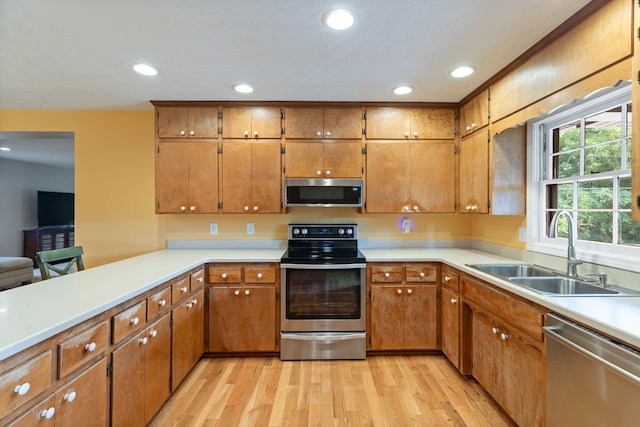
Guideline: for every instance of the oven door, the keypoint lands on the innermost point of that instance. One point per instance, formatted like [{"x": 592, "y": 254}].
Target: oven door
[{"x": 323, "y": 297}]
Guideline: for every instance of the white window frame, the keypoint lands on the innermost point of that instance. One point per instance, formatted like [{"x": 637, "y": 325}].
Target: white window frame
[{"x": 618, "y": 256}]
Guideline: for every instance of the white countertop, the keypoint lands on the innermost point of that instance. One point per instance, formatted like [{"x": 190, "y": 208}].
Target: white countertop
[{"x": 33, "y": 313}]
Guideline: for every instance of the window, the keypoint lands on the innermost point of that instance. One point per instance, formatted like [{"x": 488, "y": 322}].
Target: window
[{"x": 580, "y": 161}]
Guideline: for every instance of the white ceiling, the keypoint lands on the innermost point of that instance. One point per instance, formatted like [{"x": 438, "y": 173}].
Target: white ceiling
[{"x": 77, "y": 54}]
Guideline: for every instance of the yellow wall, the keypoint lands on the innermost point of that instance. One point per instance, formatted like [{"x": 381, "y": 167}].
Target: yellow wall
[{"x": 114, "y": 177}]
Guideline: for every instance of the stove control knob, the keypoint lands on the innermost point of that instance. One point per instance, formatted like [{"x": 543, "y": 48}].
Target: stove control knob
[
  {"x": 296, "y": 231},
  {"x": 304, "y": 231},
  {"x": 349, "y": 231},
  {"x": 341, "y": 231}
]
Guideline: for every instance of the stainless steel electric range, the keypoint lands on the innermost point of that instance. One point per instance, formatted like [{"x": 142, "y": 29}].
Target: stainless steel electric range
[{"x": 323, "y": 293}]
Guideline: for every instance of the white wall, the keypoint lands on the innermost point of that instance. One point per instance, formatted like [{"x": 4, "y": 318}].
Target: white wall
[{"x": 19, "y": 182}]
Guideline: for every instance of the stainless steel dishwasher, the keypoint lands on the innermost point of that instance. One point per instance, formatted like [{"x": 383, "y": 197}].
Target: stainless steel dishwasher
[{"x": 591, "y": 379}]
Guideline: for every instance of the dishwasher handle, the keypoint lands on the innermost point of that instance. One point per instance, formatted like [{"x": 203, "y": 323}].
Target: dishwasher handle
[{"x": 551, "y": 332}]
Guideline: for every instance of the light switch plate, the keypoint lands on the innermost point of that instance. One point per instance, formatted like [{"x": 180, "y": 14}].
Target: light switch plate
[
  {"x": 250, "y": 228},
  {"x": 213, "y": 228},
  {"x": 406, "y": 226},
  {"x": 522, "y": 234}
]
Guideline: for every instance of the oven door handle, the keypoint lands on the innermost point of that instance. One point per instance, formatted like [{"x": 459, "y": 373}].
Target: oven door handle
[
  {"x": 323, "y": 336},
  {"x": 324, "y": 266}
]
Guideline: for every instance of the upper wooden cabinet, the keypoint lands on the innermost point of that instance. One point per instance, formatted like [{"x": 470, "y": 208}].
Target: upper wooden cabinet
[
  {"x": 474, "y": 173},
  {"x": 474, "y": 115},
  {"x": 186, "y": 177},
  {"x": 323, "y": 123},
  {"x": 251, "y": 122},
  {"x": 251, "y": 177},
  {"x": 187, "y": 122},
  {"x": 405, "y": 177},
  {"x": 410, "y": 123},
  {"x": 311, "y": 159}
]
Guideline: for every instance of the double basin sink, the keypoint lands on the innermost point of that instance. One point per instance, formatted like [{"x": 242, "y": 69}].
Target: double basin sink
[{"x": 547, "y": 281}]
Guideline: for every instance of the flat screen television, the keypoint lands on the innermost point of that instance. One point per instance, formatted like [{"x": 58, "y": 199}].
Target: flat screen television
[{"x": 54, "y": 208}]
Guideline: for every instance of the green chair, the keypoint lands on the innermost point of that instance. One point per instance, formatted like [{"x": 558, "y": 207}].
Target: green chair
[{"x": 59, "y": 261}]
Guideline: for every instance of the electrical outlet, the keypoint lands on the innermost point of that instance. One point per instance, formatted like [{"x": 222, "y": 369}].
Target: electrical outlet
[
  {"x": 250, "y": 228},
  {"x": 406, "y": 226},
  {"x": 213, "y": 228}
]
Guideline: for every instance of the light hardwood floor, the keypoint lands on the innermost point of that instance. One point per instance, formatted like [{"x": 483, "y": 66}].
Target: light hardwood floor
[{"x": 379, "y": 391}]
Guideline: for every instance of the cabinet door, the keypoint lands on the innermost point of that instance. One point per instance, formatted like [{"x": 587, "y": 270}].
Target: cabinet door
[
  {"x": 203, "y": 122},
  {"x": 388, "y": 177},
  {"x": 303, "y": 159},
  {"x": 474, "y": 173},
  {"x": 343, "y": 123},
  {"x": 304, "y": 123},
  {"x": 342, "y": 159},
  {"x": 172, "y": 177},
  {"x": 387, "y": 306},
  {"x": 242, "y": 319},
  {"x": 42, "y": 415},
  {"x": 523, "y": 376},
  {"x": 433, "y": 177},
  {"x": 187, "y": 337},
  {"x": 172, "y": 122},
  {"x": 487, "y": 354},
  {"x": 266, "y": 194},
  {"x": 420, "y": 317},
  {"x": 157, "y": 368},
  {"x": 236, "y": 176},
  {"x": 388, "y": 123},
  {"x": 127, "y": 383},
  {"x": 83, "y": 401},
  {"x": 203, "y": 177},
  {"x": 475, "y": 113},
  {"x": 451, "y": 326},
  {"x": 432, "y": 123}
]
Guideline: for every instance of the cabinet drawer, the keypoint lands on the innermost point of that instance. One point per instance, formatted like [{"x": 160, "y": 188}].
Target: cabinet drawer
[
  {"x": 75, "y": 351},
  {"x": 450, "y": 279},
  {"x": 158, "y": 303},
  {"x": 25, "y": 382},
  {"x": 129, "y": 321},
  {"x": 420, "y": 273},
  {"x": 260, "y": 274},
  {"x": 518, "y": 313},
  {"x": 225, "y": 274},
  {"x": 196, "y": 279},
  {"x": 386, "y": 274},
  {"x": 181, "y": 289}
]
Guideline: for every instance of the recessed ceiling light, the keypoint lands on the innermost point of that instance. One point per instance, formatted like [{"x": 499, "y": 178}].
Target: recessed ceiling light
[
  {"x": 243, "y": 88},
  {"x": 5, "y": 149},
  {"x": 462, "y": 71},
  {"x": 338, "y": 19},
  {"x": 145, "y": 70},
  {"x": 402, "y": 90}
]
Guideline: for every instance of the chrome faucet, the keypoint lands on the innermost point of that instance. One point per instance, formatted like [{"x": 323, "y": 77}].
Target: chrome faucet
[{"x": 572, "y": 261}]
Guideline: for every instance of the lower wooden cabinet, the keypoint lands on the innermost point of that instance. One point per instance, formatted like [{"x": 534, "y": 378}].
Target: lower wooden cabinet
[
  {"x": 243, "y": 308},
  {"x": 242, "y": 318},
  {"x": 510, "y": 368},
  {"x": 506, "y": 349},
  {"x": 81, "y": 402},
  {"x": 140, "y": 379},
  {"x": 403, "y": 307},
  {"x": 187, "y": 343}
]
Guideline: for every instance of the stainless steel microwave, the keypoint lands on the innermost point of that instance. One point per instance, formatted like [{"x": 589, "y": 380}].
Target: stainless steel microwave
[{"x": 323, "y": 192}]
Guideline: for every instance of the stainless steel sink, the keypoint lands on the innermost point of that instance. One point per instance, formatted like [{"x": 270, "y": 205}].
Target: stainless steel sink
[
  {"x": 561, "y": 286},
  {"x": 514, "y": 270},
  {"x": 549, "y": 282}
]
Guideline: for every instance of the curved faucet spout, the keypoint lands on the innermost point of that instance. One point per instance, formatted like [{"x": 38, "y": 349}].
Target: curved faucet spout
[{"x": 572, "y": 261}]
